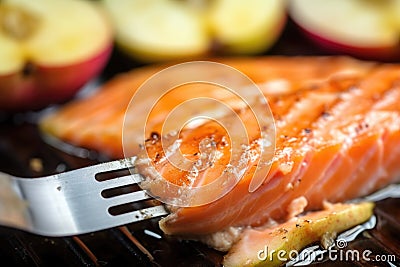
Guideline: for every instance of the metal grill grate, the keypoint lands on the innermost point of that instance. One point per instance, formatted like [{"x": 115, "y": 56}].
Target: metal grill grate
[{"x": 108, "y": 248}]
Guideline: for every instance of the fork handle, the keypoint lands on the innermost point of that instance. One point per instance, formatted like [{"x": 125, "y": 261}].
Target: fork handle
[{"x": 13, "y": 210}]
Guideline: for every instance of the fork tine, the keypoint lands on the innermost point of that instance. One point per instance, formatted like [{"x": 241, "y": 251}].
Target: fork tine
[
  {"x": 110, "y": 166},
  {"x": 127, "y": 198},
  {"x": 121, "y": 181},
  {"x": 140, "y": 215}
]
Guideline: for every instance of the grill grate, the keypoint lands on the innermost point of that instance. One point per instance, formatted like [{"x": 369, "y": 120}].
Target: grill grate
[{"x": 108, "y": 248}]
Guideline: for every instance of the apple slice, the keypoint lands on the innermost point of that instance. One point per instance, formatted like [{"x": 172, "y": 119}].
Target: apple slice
[
  {"x": 156, "y": 30},
  {"x": 364, "y": 28},
  {"x": 49, "y": 49},
  {"x": 247, "y": 27}
]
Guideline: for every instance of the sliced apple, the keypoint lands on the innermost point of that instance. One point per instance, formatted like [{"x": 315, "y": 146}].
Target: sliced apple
[
  {"x": 49, "y": 49},
  {"x": 158, "y": 29},
  {"x": 272, "y": 246},
  {"x": 364, "y": 28},
  {"x": 247, "y": 27},
  {"x": 154, "y": 30}
]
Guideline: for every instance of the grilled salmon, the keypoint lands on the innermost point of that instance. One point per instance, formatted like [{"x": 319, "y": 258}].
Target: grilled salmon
[
  {"x": 96, "y": 122},
  {"x": 337, "y": 126}
]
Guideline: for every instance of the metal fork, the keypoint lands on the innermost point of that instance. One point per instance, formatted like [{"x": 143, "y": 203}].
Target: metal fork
[{"x": 71, "y": 203}]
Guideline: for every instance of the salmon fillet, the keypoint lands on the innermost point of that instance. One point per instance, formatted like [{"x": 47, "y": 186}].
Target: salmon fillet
[{"x": 337, "y": 138}]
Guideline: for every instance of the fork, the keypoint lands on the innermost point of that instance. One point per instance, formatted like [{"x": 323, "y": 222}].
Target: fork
[{"x": 72, "y": 203}]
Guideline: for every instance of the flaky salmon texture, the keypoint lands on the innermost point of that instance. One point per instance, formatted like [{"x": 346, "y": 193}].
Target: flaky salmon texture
[{"x": 337, "y": 138}]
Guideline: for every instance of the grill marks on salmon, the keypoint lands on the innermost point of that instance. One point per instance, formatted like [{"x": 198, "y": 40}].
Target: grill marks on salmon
[{"x": 360, "y": 128}]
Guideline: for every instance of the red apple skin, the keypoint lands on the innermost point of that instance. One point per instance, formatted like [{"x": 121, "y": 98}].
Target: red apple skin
[
  {"x": 44, "y": 85},
  {"x": 388, "y": 53}
]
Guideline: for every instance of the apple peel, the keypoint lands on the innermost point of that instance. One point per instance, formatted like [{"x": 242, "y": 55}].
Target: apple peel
[{"x": 49, "y": 50}]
